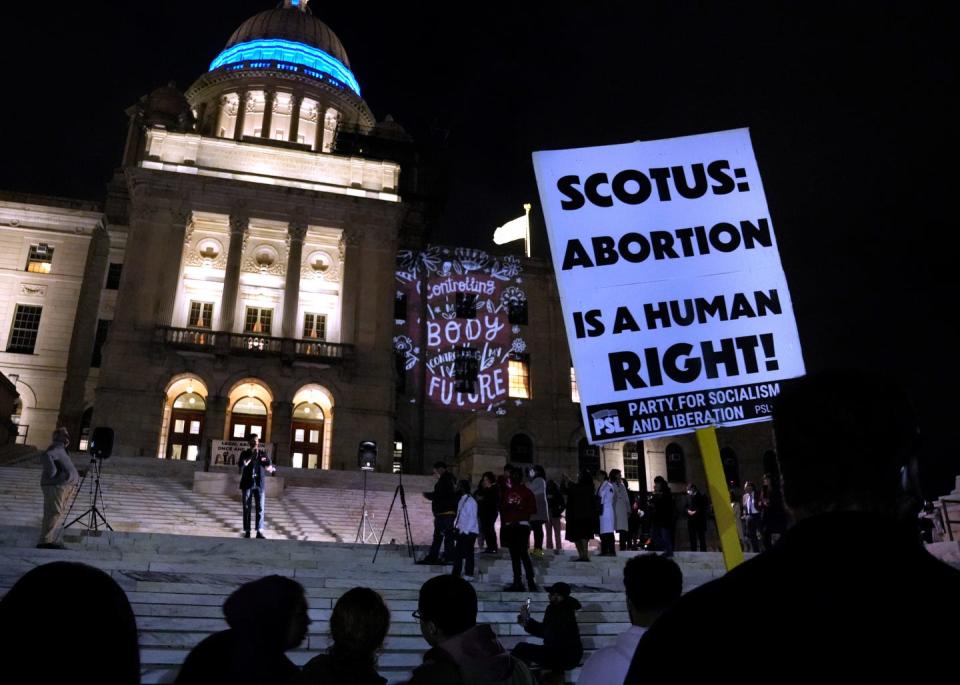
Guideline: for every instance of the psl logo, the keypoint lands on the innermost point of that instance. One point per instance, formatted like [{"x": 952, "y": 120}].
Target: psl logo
[{"x": 606, "y": 421}]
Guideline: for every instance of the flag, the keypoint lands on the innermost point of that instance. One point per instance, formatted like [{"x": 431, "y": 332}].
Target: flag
[{"x": 515, "y": 229}]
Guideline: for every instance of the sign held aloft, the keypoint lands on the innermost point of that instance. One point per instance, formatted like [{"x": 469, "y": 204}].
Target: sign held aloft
[{"x": 675, "y": 303}]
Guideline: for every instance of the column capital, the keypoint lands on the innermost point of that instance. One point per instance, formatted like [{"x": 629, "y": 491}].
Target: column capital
[
  {"x": 239, "y": 222},
  {"x": 297, "y": 230}
]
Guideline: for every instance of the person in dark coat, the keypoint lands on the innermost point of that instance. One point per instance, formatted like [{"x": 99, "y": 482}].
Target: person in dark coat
[
  {"x": 582, "y": 512},
  {"x": 358, "y": 626},
  {"x": 254, "y": 467},
  {"x": 461, "y": 650},
  {"x": 697, "y": 518},
  {"x": 662, "y": 516},
  {"x": 773, "y": 514},
  {"x": 443, "y": 502},
  {"x": 850, "y": 583},
  {"x": 488, "y": 509},
  {"x": 266, "y": 618},
  {"x": 561, "y": 649}
]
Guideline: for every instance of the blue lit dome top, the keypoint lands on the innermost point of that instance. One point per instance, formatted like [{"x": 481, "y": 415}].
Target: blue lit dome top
[{"x": 288, "y": 38}]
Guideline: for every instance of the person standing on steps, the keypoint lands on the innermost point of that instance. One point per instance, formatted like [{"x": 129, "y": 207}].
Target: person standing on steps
[
  {"x": 517, "y": 505},
  {"x": 254, "y": 467},
  {"x": 58, "y": 480}
]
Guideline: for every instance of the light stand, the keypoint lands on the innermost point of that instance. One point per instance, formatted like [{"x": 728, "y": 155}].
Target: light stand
[
  {"x": 94, "y": 515},
  {"x": 406, "y": 519},
  {"x": 365, "y": 530}
]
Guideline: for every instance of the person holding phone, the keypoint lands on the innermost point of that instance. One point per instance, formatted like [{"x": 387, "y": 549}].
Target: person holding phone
[{"x": 562, "y": 648}]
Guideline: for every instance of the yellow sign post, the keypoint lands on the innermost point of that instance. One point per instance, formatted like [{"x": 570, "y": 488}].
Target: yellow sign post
[{"x": 720, "y": 497}]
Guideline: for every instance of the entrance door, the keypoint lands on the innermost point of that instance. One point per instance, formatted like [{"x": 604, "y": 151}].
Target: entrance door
[
  {"x": 243, "y": 426},
  {"x": 183, "y": 440},
  {"x": 185, "y": 433},
  {"x": 306, "y": 438},
  {"x": 249, "y": 417}
]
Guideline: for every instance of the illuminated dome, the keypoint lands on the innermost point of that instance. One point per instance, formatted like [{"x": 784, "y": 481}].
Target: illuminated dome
[
  {"x": 283, "y": 78},
  {"x": 288, "y": 38}
]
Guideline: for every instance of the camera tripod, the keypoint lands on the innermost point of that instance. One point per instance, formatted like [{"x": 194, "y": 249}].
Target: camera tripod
[
  {"x": 406, "y": 520},
  {"x": 94, "y": 515},
  {"x": 365, "y": 530}
]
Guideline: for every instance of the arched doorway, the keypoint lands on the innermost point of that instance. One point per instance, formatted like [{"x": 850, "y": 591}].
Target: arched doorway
[
  {"x": 311, "y": 427},
  {"x": 731, "y": 464},
  {"x": 184, "y": 414},
  {"x": 248, "y": 416},
  {"x": 185, "y": 434},
  {"x": 306, "y": 441}
]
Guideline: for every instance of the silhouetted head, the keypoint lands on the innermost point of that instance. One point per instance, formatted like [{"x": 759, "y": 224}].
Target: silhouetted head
[
  {"x": 842, "y": 439},
  {"x": 439, "y": 468},
  {"x": 516, "y": 475},
  {"x": 539, "y": 472},
  {"x": 358, "y": 625},
  {"x": 463, "y": 486},
  {"x": 489, "y": 479},
  {"x": 54, "y": 618},
  {"x": 447, "y": 606},
  {"x": 652, "y": 583},
  {"x": 272, "y": 610},
  {"x": 615, "y": 475},
  {"x": 585, "y": 479}
]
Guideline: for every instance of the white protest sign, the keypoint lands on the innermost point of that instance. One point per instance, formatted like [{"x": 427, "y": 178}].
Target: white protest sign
[{"x": 674, "y": 300}]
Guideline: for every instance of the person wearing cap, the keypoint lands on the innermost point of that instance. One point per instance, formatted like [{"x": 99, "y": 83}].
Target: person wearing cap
[
  {"x": 561, "y": 649},
  {"x": 58, "y": 480}
]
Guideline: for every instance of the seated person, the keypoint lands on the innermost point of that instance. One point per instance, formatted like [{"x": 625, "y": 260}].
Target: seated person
[
  {"x": 460, "y": 650},
  {"x": 561, "y": 649}
]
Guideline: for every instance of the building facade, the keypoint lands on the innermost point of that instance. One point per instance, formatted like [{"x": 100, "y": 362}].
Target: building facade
[{"x": 259, "y": 267}]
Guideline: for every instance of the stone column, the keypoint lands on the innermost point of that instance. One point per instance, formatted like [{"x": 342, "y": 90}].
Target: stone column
[
  {"x": 84, "y": 331},
  {"x": 295, "y": 117},
  {"x": 280, "y": 433},
  {"x": 239, "y": 224},
  {"x": 349, "y": 295},
  {"x": 296, "y": 233},
  {"x": 267, "y": 114},
  {"x": 181, "y": 226},
  {"x": 321, "y": 122},
  {"x": 213, "y": 424},
  {"x": 241, "y": 115}
]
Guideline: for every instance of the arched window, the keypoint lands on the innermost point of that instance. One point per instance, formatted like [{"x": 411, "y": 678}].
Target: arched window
[
  {"x": 676, "y": 464},
  {"x": 731, "y": 465},
  {"x": 634, "y": 465},
  {"x": 588, "y": 456},
  {"x": 521, "y": 449}
]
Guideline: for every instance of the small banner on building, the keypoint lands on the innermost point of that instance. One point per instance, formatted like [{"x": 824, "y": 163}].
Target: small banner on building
[
  {"x": 227, "y": 452},
  {"x": 675, "y": 303}
]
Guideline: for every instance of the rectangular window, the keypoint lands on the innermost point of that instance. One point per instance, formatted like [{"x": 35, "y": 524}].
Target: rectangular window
[
  {"x": 298, "y": 460},
  {"x": 574, "y": 390},
  {"x": 40, "y": 258},
  {"x": 201, "y": 314},
  {"x": 466, "y": 366},
  {"x": 113, "y": 276},
  {"x": 26, "y": 323},
  {"x": 466, "y": 306},
  {"x": 103, "y": 327},
  {"x": 519, "y": 376},
  {"x": 400, "y": 307},
  {"x": 299, "y": 435},
  {"x": 315, "y": 326},
  {"x": 239, "y": 430},
  {"x": 631, "y": 461},
  {"x": 194, "y": 428},
  {"x": 258, "y": 320},
  {"x": 517, "y": 312},
  {"x": 314, "y": 436},
  {"x": 178, "y": 426}
]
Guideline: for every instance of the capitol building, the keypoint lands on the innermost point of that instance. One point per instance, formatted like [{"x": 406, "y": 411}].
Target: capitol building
[{"x": 258, "y": 265}]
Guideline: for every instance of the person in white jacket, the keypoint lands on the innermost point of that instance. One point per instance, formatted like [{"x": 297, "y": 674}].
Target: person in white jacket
[
  {"x": 607, "y": 517},
  {"x": 652, "y": 584},
  {"x": 466, "y": 528}
]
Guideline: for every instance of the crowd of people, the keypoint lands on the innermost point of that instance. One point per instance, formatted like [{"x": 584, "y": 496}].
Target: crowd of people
[{"x": 849, "y": 579}]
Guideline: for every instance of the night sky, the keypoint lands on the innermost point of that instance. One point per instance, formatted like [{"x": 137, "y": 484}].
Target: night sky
[{"x": 851, "y": 109}]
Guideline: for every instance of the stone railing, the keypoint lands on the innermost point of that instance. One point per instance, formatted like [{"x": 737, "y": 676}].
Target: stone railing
[{"x": 252, "y": 344}]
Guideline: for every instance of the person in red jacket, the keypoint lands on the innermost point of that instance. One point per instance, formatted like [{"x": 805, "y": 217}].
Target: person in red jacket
[{"x": 517, "y": 504}]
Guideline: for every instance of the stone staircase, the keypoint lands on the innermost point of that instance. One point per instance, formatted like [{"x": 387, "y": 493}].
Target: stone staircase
[
  {"x": 178, "y": 555},
  {"x": 153, "y": 496},
  {"x": 177, "y": 585}
]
